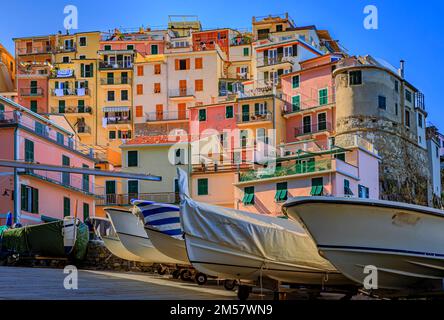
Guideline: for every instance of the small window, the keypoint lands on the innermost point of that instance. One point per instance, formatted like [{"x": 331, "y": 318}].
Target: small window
[
  {"x": 132, "y": 159},
  {"x": 323, "y": 97},
  {"x": 355, "y": 77},
  {"x": 82, "y": 57},
  {"x": 107, "y": 47},
  {"x": 396, "y": 86},
  {"x": 198, "y": 63},
  {"x": 130, "y": 47},
  {"x": 139, "y": 111},
  {"x": 347, "y": 190},
  {"x": 65, "y": 59},
  {"x": 139, "y": 89},
  {"x": 33, "y": 105},
  {"x": 248, "y": 196},
  {"x": 229, "y": 112},
  {"x": 363, "y": 192},
  {"x": 296, "y": 103},
  {"x": 111, "y": 96},
  {"x": 322, "y": 121},
  {"x": 29, "y": 199},
  {"x": 198, "y": 85},
  {"x": 202, "y": 114},
  {"x": 279, "y": 28},
  {"x": 202, "y": 187},
  {"x": 157, "y": 87},
  {"x": 396, "y": 109},
  {"x": 340, "y": 156},
  {"x": 382, "y": 102},
  {"x": 246, "y": 52},
  {"x": 154, "y": 49},
  {"x": 407, "y": 118},
  {"x": 281, "y": 192},
  {"x": 139, "y": 71},
  {"x": 124, "y": 95},
  {"x": 157, "y": 69},
  {"x": 60, "y": 138},
  {"x": 295, "y": 81},
  {"x": 85, "y": 211},
  {"x": 317, "y": 187},
  {"x": 408, "y": 95},
  {"x": 66, "y": 207},
  {"x": 82, "y": 41},
  {"x": 420, "y": 120},
  {"x": 183, "y": 64},
  {"x": 112, "y": 135}
]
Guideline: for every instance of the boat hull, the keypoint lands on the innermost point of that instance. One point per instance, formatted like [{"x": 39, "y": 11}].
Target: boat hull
[
  {"x": 403, "y": 242},
  {"x": 167, "y": 245},
  {"x": 131, "y": 233}
]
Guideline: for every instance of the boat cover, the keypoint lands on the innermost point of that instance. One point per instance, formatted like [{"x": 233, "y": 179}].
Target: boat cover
[{"x": 271, "y": 238}]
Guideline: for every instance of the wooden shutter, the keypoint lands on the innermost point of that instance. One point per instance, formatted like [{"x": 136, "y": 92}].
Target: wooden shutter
[
  {"x": 140, "y": 89},
  {"x": 159, "y": 112},
  {"x": 198, "y": 63},
  {"x": 35, "y": 200},
  {"x": 139, "y": 111},
  {"x": 198, "y": 85},
  {"x": 187, "y": 64},
  {"x": 140, "y": 71},
  {"x": 177, "y": 64}
]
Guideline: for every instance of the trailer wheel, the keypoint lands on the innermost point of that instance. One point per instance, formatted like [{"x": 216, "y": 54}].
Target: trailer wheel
[
  {"x": 185, "y": 275},
  {"x": 176, "y": 274},
  {"x": 243, "y": 292},
  {"x": 200, "y": 278},
  {"x": 229, "y": 284}
]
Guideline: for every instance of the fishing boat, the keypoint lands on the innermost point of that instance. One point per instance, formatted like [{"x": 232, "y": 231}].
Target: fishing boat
[
  {"x": 240, "y": 245},
  {"x": 403, "y": 242},
  {"x": 105, "y": 231},
  {"x": 130, "y": 230}
]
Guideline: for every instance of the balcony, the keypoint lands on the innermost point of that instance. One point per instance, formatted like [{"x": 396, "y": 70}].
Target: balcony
[
  {"x": 250, "y": 117},
  {"x": 34, "y": 50},
  {"x": 240, "y": 41},
  {"x": 220, "y": 167},
  {"x": 297, "y": 168},
  {"x": 31, "y": 92},
  {"x": 289, "y": 109},
  {"x": 72, "y": 110},
  {"x": 125, "y": 199},
  {"x": 115, "y": 65},
  {"x": 78, "y": 92},
  {"x": 312, "y": 128},
  {"x": 117, "y": 120},
  {"x": 176, "y": 115},
  {"x": 115, "y": 81},
  {"x": 270, "y": 61},
  {"x": 66, "y": 49},
  {"x": 181, "y": 93}
]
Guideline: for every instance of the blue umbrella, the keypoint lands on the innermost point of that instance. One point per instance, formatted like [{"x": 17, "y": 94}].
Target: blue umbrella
[{"x": 9, "y": 219}]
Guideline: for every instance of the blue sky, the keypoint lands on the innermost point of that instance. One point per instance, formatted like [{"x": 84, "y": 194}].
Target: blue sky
[{"x": 409, "y": 30}]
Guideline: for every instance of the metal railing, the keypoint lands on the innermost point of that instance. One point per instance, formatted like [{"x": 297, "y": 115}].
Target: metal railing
[
  {"x": 119, "y": 80},
  {"x": 70, "y": 92},
  {"x": 299, "y": 167},
  {"x": 254, "y": 116},
  {"x": 125, "y": 199},
  {"x": 312, "y": 128},
  {"x": 118, "y": 120},
  {"x": 35, "y": 50},
  {"x": 269, "y": 61},
  {"x": 181, "y": 92},
  {"x": 31, "y": 92},
  {"x": 220, "y": 167},
  {"x": 77, "y": 109},
  {"x": 167, "y": 115},
  {"x": 116, "y": 65},
  {"x": 66, "y": 48}
]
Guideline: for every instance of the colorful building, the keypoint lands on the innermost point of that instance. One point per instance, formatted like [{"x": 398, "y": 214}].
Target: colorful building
[{"x": 7, "y": 71}]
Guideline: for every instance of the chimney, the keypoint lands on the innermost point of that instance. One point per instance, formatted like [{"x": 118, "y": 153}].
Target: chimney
[{"x": 401, "y": 69}]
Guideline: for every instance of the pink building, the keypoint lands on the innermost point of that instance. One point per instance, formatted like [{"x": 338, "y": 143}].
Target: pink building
[{"x": 33, "y": 195}]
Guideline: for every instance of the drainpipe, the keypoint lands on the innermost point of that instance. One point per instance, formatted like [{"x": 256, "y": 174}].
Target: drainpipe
[{"x": 17, "y": 195}]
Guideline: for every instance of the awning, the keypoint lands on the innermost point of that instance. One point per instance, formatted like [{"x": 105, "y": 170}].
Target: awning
[{"x": 116, "y": 109}]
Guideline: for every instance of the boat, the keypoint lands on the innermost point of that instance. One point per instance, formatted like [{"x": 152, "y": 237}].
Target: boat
[
  {"x": 130, "y": 230},
  {"x": 105, "y": 231},
  {"x": 402, "y": 242},
  {"x": 234, "y": 244},
  {"x": 162, "y": 226}
]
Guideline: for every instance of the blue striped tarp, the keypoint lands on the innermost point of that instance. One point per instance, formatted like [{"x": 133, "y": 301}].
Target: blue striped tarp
[{"x": 161, "y": 216}]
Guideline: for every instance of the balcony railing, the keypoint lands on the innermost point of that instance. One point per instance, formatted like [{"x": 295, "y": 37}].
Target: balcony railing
[
  {"x": 31, "y": 92},
  {"x": 118, "y": 120},
  {"x": 289, "y": 108},
  {"x": 34, "y": 50},
  {"x": 269, "y": 61},
  {"x": 222, "y": 167},
  {"x": 299, "y": 167},
  {"x": 78, "y": 109},
  {"x": 247, "y": 117},
  {"x": 312, "y": 128},
  {"x": 116, "y": 65},
  {"x": 62, "y": 49},
  {"x": 125, "y": 199},
  {"x": 111, "y": 81},
  {"x": 167, "y": 115},
  {"x": 181, "y": 92},
  {"x": 80, "y": 92}
]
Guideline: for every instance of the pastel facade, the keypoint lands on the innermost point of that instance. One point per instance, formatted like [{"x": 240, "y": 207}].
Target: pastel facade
[
  {"x": 7, "y": 71},
  {"x": 33, "y": 195}
]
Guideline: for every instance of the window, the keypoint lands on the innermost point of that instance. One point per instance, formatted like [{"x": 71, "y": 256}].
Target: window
[
  {"x": 347, "y": 190},
  {"x": 157, "y": 69},
  {"x": 288, "y": 51},
  {"x": 396, "y": 109},
  {"x": 182, "y": 64},
  {"x": 323, "y": 97},
  {"x": 198, "y": 85},
  {"x": 66, "y": 207},
  {"x": 295, "y": 81},
  {"x": 130, "y": 47},
  {"x": 363, "y": 192},
  {"x": 33, "y": 106},
  {"x": 132, "y": 158},
  {"x": 107, "y": 47},
  {"x": 396, "y": 86},
  {"x": 85, "y": 211},
  {"x": 139, "y": 71},
  {"x": 306, "y": 123},
  {"x": 60, "y": 138},
  {"x": 65, "y": 175},
  {"x": 244, "y": 138},
  {"x": 139, "y": 89},
  {"x": 260, "y": 108},
  {"x": 111, "y": 96},
  {"x": 179, "y": 157},
  {"x": 322, "y": 121},
  {"x": 29, "y": 150},
  {"x": 202, "y": 187},
  {"x": 82, "y": 57},
  {"x": 85, "y": 179},
  {"x": 382, "y": 102},
  {"x": 340, "y": 156},
  {"x": 202, "y": 114},
  {"x": 420, "y": 121},
  {"x": 86, "y": 70},
  {"x": 198, "y": 63},
  {"x": 124, "y": 77},
  {"x": 139, "y": 111},
  {"x": 317, "y": 187},
  {"x": 407, "y": 118},
  {"x": 408, "y": 95},
  {"x": 65, "y": 59},
  {"x": 111, "y": 135},
  {"x": 154, "y": 49},
  {"x": 82, "y": 41},
  {"x": 246, "y": 52},
  {"x": 157, "y": 87},
  {"x": 296, "y": 103},
  {"x": 281, "y": 192},
  {"x": 133, "y": 189},
  {"x": 229, "y": 112},
  {"x": 29, "y": 199},
  {"x": 279, "y": 28},
  {"x": 124, "y": 95},
  {"x": 248, "y": 196},
  {"x": 355, "y": 78}
]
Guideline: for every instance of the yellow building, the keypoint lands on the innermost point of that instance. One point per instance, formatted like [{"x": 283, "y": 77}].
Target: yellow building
[{"x": 7, "y": 70}]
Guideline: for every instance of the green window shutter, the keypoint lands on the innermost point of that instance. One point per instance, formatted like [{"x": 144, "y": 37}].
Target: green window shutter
[
  {"x": 295, "y": 81},
  {"x": 133, "y": 187},
  {"x": 85, "y": 211},
  {"x": 91, "y": 70},
  {"x": 248, "y": 196},
  {"x": 24, "y": 197},
  {"x": 35, "y": 200},
  {"x": 246, "y": 52},
  {"x": 281, "y": 191},
  {"x": 202, "y": 114},
  {"x": 33, "y": 106},
  {"x": 202, "y": 187},
  {"x": 66, "y": 207},
  {"x": 229, "y": 112},
  {"x": 2, "y": 107},
  {"x": 323, "y": 96},
  {"x": 296, "y": 103},
  {"x": 154, "y": 49},
  {"x": 132, "y": 158},
  {"x": 29, "y": 150},
  {"x": 112, "y": 135},
  {"x": 317, "y": 186},
  {"x": 82, "y": 70}
]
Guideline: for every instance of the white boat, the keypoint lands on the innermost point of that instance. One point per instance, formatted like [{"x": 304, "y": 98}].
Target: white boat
[
  {"x": 403, "y": 241},
  {"x": 162, "y": 225},
  {"x": 105, "y": 231},
  {"x": 233, "y": 244},
  {"x": 130, "y": 229},
  {"x": 69, "y": 233}
]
